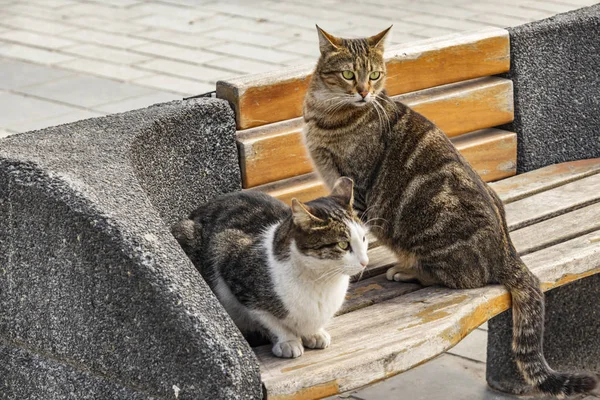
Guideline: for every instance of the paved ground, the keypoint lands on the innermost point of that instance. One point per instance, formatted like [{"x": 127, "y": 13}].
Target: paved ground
[
  {"x": 458, "y": 374},
  {"x": 64, "y": 60}
]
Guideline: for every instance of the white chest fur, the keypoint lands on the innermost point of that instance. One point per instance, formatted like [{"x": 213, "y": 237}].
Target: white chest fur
[{"x": 310, "y": 290}]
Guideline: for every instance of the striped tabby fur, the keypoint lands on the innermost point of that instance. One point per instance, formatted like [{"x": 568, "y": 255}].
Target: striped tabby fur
[
  {"x": 429, "y": 206},
  {"x": 279, "y": 271}
]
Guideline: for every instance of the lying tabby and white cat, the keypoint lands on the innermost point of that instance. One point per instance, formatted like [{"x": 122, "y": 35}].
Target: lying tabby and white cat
[
  {"x": 434, "y": 211},
  {"x": 281, "y": 271}
]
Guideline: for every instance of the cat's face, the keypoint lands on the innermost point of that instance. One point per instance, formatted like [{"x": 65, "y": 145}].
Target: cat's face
[
  {"x": 350, "y": 71},
  {"x": 328, "y": 230}
]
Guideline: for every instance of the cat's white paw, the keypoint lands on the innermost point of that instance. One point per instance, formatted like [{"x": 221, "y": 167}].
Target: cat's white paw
[
  {"x": 288, "y": 349},
  {"x": 319, "y": 340}
]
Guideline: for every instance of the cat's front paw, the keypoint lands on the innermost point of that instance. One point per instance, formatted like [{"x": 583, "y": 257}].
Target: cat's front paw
[
  {"x": 398, "y": 274},
  {"x": 288, "y": 349},
  {"x": 319, "y": 340}
]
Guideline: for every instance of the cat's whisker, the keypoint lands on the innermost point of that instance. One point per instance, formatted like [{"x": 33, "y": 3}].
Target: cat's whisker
[
  {"x": 389, "y": 101},
  {"x": 386, "y": 99},
  {"x": 379, "y": 118},
  {"x": 329, "y": 274},
  {"x": 333, "y": 107},
  {"x": 385, "y": 116},
  {"x": 361, "y": 275},
  {"x": 374, "y": 219}
]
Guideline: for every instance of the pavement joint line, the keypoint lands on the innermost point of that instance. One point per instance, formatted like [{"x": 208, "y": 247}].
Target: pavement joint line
[
  {"x": 134, "y": 97},
  {"x": 16, "y": 92},
  {"x": 159, "y": 72},
  {"x": 176, "y": 5},
  {"x": 449, "y": 352},
  {"x": 66, "y": 22},
  {"x": 52, "y": 49}
]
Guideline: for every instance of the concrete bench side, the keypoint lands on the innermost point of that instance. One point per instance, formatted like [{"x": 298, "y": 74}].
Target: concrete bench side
[{"x": 98, "y": 300}]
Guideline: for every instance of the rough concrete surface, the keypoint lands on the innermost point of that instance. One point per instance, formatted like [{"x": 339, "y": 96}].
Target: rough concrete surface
[
  {"x": 98, "y": 300},
  {"x": 554, "y": 67}
]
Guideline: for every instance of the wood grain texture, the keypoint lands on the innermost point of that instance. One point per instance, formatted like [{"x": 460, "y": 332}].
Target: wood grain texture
[
  {"x": 550, "y": 203},
  {"x": 278, "y": 96},
  {"x": 546, "y": 178},
  {"x": 276, "y": 151},
  {"x": 557, "y": 230},
  {"x": 367, "y": 292},
  {"x": 304, "y": 188},
  {"x": 492, "y": 152}
]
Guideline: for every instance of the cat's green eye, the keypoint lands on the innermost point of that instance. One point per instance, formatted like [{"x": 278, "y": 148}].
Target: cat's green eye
[
  {"x": 375, "y": 75},
  {"x": 343, "y": 245},
  {"x": 348, "y": 75}
]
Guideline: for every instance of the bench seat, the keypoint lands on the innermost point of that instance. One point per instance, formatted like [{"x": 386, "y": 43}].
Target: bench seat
[{"x": 388, "y": 327}]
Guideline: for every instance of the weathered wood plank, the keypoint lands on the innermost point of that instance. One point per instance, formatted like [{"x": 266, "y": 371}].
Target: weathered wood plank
[
  {"x": 553, "y": 202},
  {"x": 465, "y": 106},
  {"x": 278, "y": 96},
  {"x": 492, "y": 152},
  {"x": 304, "y": 188},
  {"x": 367, "y": 292},
  {"x": 557, "y": 230},
  {"x": 276, "y": 151},
  {"x": 523, "y": 185},
  {"x": 377, "y": 342}
]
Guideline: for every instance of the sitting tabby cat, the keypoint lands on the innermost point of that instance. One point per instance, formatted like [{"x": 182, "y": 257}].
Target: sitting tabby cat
[
  {"x": 278, "y": 270},
  {"x": 433, "y": 210}
]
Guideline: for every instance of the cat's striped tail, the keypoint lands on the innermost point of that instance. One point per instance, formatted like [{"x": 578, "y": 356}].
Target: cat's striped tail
[{"x": 528, "y": 334}]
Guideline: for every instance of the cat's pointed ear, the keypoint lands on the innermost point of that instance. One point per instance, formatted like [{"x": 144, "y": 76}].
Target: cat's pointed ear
[
  {"x": 343, "y": 189},
  {"x": 327, "y": 42},
  {"x": 378, "y": 41},
  {"x": 302, "y": 216}
]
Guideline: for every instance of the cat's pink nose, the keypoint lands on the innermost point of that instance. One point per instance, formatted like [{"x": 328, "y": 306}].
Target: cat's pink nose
[
  {"x": 364, "y": 263},
  {"x": 364, "y": 94}
]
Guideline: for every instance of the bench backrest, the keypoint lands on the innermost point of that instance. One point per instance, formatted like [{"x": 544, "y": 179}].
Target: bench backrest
[{"x": 447, "y": 79}]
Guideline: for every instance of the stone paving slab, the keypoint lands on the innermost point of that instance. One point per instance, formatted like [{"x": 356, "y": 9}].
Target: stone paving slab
[
  {"x": 137, "y": 102},
  {"x": 86, "y": 91},
  {"x": 72, "y": 116},
  {"x": 15, "y": 74},
  {"x": 17, "y": 109}
]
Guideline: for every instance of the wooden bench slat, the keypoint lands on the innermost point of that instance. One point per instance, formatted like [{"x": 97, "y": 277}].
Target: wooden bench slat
[
  {"x": 553, "y": 202},
  {"x": 557, "y": 230},
  {"x": 304, "y": 188},
  {"x": 539, "y": 180},
  {"x": 367, "y": 292},
  {"x": 276, "y": 151},
  {"x": 492, "y": 152},
  {"x": 465, "y": 106},
  {"x": 278, "y": 96},
  {"x": 377, "y": 342}
]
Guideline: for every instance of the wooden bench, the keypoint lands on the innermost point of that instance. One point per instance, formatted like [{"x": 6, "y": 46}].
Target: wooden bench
[{"x": 388, "y": 327}]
